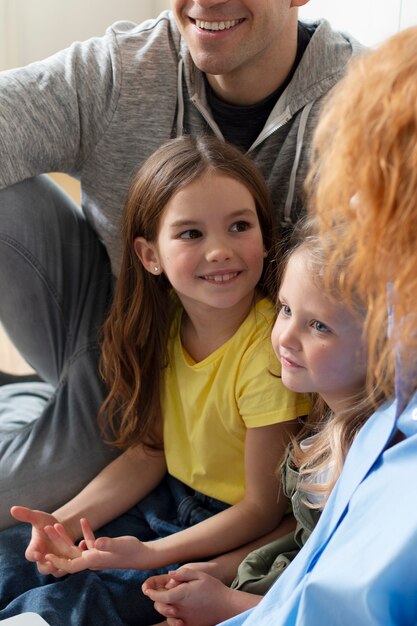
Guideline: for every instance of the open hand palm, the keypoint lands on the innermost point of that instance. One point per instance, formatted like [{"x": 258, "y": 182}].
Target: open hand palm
[{"x": 40, "y": 543}]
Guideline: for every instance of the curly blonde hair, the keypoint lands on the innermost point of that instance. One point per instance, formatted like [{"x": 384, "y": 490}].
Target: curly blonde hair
[{"x": 362, "y": 188}]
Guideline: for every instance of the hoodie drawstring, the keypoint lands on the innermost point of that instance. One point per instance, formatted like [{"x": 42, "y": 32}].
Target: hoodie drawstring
[
  {"x": 300, "y": 139},
  {"x": 180, "y": 100}
]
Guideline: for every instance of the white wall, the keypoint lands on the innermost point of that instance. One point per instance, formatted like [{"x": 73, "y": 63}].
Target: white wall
[
  {"x": 408, "y": 13},
  {"x": 161, "y": 5},
  {"x": 34, "y": 29},
  {"x": 370, "y": 21}
]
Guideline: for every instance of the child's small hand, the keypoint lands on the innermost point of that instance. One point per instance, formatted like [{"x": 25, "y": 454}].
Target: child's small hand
[
  {"x": 101, "y": 553},
  {"x": 41, "y": 543},
  {"x": 159, "y": 582},
  {"x": 188, "y": 597},
  {"x": 64, "y": 547}
]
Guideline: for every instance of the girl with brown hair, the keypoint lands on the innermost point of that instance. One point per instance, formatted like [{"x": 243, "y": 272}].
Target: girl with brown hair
[{"x": 194, "y": 396}]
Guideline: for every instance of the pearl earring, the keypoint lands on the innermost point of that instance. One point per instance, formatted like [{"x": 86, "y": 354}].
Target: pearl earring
[{"x": 155, "y": 269}]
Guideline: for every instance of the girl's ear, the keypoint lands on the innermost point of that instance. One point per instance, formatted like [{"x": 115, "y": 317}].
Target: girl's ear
[{"x": 147, "y": 254}]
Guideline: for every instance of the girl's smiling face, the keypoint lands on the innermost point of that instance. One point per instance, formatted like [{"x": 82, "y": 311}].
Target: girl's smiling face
[
  {"x": 209, "y": 243},
  {"x": 317, "y": 340}
]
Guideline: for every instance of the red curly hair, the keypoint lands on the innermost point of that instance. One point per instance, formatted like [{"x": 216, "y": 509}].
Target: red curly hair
[{"x": 363, "y": 191}]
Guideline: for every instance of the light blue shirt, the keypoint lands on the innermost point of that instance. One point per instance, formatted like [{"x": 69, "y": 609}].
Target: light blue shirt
[{"x": 359, "y": 567}]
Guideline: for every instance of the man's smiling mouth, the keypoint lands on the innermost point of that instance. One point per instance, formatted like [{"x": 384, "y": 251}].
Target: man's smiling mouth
[{"x": 214, "y": 26}]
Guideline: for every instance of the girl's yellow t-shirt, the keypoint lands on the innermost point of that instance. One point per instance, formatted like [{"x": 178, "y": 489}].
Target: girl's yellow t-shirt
[{"x": 207, "y": 406}]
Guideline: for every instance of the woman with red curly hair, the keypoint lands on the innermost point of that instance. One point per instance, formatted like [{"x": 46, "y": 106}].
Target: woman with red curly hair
[{"x": 360, "y": 564}]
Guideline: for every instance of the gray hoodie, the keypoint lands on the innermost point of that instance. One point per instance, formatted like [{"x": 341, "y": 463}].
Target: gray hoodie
[{"x": 99, "y": 108}]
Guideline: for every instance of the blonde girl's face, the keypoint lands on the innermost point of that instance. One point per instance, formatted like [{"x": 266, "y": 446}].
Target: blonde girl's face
[
  {"x": 210, "y": 244},
  {"x": 317, "y": 340}
]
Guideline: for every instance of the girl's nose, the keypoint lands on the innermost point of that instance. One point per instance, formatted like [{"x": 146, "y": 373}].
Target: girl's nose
[
  {"x": 287, "y": 335},
  {"x": 218, "y": 253}
]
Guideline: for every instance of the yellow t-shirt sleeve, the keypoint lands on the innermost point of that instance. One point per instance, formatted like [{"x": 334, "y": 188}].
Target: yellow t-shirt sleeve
[{"x": 261, "y": 396}]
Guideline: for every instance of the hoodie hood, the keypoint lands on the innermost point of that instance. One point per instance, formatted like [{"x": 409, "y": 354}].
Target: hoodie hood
[{"x": 321, "y": 67}]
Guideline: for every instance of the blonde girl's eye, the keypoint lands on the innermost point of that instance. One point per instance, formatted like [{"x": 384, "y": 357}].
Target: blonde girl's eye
[
  {"x": 192, "y": 233},
  {"x": 284, "y": 310},
  {"x": 320, "y": 327}
]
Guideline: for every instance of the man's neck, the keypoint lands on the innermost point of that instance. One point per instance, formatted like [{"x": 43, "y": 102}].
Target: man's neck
[{"x": 242, "y": 124}]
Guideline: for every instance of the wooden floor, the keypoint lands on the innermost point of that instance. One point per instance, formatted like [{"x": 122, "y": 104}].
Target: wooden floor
[{"x": 10, "y": 359}]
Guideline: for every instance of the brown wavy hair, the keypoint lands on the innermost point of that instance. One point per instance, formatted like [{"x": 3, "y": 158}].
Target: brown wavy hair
[
  {"x": 363, "y": 190},
  {"x": 135, "y": 334}
]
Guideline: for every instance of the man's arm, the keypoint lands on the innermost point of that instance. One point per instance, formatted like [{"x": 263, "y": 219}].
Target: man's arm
[{"x": 53, "y": 112}]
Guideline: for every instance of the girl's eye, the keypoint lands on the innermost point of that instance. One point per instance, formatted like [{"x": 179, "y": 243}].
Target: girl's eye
[
  {"x": 239, "y": 227},
  {"x": 285, "y": 310},
  {"x": 193, "y": 233},
  {"x": 320, "y": 327}
]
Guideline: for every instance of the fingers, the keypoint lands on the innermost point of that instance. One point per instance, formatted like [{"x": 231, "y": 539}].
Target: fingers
[
  {"x": 185, "y": 574},
  {"x": 107, "y": 544},
  {"x": 88, "y": 559},
  {"x": 169, "y": 588},
  {"x": 156, "y": 582},
  {"x": 33, "y": 555},
  {"x": 46, "y": 567},
  {"x": 167, "y": 610},
  {"x": 172, "y": 583},
  {"x": 19, "y": 513},
  {"x": 89, "y": 541},
  {"x": 166, "y": 596},
  {"x": 62, "y": 544},
  {"x": 164, "y": 582},
  {"x": 112, "y": 545},
  {"x": 38, "y": 519},
  {"x": 23, "y": 514},
  {"x": 67, "y": 566},
  {"x": 61, "y": 531},
  {"x": 89, "y": 537}
]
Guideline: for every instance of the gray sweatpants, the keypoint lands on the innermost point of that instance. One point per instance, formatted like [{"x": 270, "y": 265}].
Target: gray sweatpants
[{"x": 55, "y": 289}]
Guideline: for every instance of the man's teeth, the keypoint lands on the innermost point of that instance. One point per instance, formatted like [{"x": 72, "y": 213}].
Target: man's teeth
[
  {"x": 221, "y": 277},
  {"x": 216, "y": 25}
]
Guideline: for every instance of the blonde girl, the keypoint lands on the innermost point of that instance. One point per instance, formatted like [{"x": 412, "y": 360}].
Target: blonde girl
[{"x": 326, "y": 357}]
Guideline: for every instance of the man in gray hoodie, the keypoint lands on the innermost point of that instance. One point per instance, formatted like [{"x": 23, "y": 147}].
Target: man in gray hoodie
[{"x": 245, "y": 70}]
